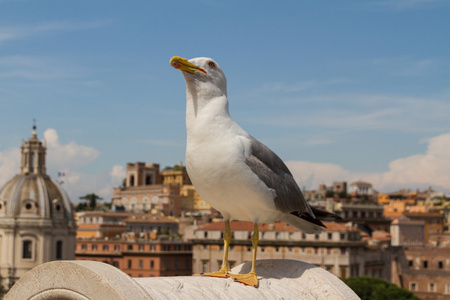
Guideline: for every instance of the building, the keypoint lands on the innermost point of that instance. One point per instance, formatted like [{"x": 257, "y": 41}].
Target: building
[
  {"x": 176, "y": 176},
  {"x": 423, "y": 270},
  {"x": 339, "y": 250},
  {"x": 370, "y": 215},
  {"x": 140, "y": 244},
  {"x": 110, "y": 225},
  {"x": 170, "y": 191},
  {"x": 338, "y": 190},
  {"x": 139, "y": 257},
  {"x": 434, "y": 222},
  {"x": 36, "y": 218},
  {"x": 407, "y": 232},
  {"x": 145, "y": 192},
  {"x": 362, "y": 189},
  {"x": 192, "y": 204}
]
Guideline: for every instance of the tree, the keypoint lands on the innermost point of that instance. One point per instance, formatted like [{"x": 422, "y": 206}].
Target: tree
[
  {"x": 370, "y": 288},
  {"x": 92, "y": 199}
]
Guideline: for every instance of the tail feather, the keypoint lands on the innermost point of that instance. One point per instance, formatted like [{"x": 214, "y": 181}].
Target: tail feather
[
  {"x": 326, "y": 216},
  {"x": 315, "y": 224}
]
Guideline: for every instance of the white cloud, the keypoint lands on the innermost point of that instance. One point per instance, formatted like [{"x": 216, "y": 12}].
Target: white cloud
[
  {"x": 9, "y": 164},
  {"x": 417, "y": 171},
  {"x": 66, "y": 156},
  {"x": 118, "y": 172}
]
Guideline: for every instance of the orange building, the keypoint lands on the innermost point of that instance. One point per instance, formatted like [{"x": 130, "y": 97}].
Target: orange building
[
  {"x": 139, "y": 257},
  {"x": 140, "y": 244}
]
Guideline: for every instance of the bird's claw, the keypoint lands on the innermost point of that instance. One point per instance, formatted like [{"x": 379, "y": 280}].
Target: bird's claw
[{"x": 249, "y": 279}]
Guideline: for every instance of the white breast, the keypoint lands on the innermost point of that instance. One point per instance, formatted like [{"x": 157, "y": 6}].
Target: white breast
[{"x": 215, "y": 160}]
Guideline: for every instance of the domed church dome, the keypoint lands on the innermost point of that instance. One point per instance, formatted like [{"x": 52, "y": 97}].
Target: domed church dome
[{"x": 36, "y": 218}]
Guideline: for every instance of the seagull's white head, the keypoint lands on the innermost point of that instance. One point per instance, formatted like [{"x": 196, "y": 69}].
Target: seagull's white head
[{"x": 204, "y": 77}]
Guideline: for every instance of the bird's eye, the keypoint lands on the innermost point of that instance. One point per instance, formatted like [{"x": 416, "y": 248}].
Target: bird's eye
[{"x": 211, "y": 64}]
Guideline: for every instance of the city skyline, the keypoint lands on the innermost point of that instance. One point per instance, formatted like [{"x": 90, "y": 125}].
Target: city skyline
[{"x": 340, "y": 91}]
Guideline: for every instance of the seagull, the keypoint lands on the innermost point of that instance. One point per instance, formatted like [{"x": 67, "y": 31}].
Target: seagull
[{"x": 231, "y": 170}]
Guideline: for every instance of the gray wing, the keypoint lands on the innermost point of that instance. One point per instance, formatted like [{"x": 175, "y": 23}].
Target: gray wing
[{"x": 275, "y": 174}]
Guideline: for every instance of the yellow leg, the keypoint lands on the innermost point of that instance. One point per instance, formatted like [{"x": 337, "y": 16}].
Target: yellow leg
[
  {"x": 250, "y": 279},
  {"x": 223, "y": 272}
]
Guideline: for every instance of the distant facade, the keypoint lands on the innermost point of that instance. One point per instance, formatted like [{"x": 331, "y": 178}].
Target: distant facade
[
  {"x": 434, "y": 222},
  {"x": 361, "y": 188},
  {"x": 147, "y": 189},
  {"x": 139, "y": 257},
  {"x": 36, "y": 218},
  {"x": 140, "y": 244},
  {"x": 338, "y": 189},
  {"x": 340, "y": 249},
  {"x": 423, "y": 270},
  {"x": 406, "y": 232},
  {"x": 112, "y": 225},
  {"x": 368, "y": 214}
]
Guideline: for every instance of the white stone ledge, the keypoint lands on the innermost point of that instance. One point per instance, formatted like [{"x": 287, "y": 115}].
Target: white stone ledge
[{"x": 81, "y": 280}]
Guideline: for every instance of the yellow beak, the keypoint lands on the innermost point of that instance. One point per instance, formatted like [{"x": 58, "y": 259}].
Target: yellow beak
[{"x": 183, "y": 64}]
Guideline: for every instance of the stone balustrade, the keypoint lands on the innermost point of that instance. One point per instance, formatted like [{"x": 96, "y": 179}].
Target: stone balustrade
[{"x": 81, "y": 280}]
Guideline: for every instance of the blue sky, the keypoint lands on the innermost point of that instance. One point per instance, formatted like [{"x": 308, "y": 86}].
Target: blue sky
[{"x": 340, "y": 90}]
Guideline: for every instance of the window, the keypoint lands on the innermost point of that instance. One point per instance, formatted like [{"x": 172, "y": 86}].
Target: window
[
  {"x": 59, "y": 250},
  {"x": 129, "y": 264},
  {"x": 204, "y": 266},
  {"x": 166, "y": 265},
  {"x": 440, "y": 264},
  {"x": 116, "y": 248},
  {"x": 83, "y": 247},
  {"x": 431, "y": 287},
  {"x": 148, "y": 180},
  {"x": 141, "y": 263},
  {"x": 410, "y": 263},
  {"x": 447, "y": 288},
  {"x": 425, "y": 264},
  {"x": 27, "y": 250},
  {"x": 94, "y": 247},
  {"x": 342, "y": 236},
  {"x": 116, "y": 264},
  {"x": 330, "y": 236},
  {"x": 105, "y": 247},
  {"x": 130, "y": 247},
  {"x": 317, "y": 236},
  {"x": 413, "y": 286},
  {"x": 152, "y": 264},
  {"x": 141, "y": 247}
]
